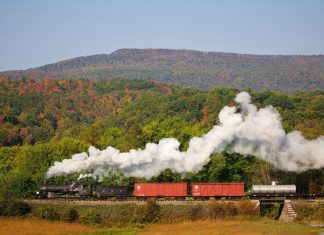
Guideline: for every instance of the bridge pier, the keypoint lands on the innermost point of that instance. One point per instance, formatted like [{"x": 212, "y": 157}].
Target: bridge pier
[{"x": 288, "y": 213}]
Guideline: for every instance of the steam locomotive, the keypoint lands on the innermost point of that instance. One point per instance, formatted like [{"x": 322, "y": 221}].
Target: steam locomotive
[{"x": 84, "y": 190}]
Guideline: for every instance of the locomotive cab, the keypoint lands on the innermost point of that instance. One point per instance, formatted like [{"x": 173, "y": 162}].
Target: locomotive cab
[{"x": 83, "y": 189}]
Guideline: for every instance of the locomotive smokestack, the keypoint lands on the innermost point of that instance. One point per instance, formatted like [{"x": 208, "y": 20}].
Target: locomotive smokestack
[{"x": 248, "y": 132}]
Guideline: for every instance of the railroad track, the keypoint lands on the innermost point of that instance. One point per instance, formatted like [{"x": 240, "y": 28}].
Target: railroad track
[
  {"x": 94, "y": 201},
  {"x": 76, "y": 201}
]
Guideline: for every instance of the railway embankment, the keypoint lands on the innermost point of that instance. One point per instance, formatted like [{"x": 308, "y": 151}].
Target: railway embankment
[
  {"x": 103, "y": 202},
  {"x": 131, "y": 213},
  {"x": 137, "y": 212}
]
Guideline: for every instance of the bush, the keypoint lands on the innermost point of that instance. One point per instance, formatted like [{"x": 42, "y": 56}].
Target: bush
[
  {"x": 305, "y": 211},
  {"x": 17, "y": 185},
  {"x": 47, "y": 213},
  {"x": 14, "y": 208},
  {"x": 70, "y": 215},
  {"x": 126, "y": 214},
  {"x": 197, "y": 212},
  {"x": 247, "y": 208},
  {"x": 90, "y": 216},
  {"x": 175, "y": 213},
  {"x": 215, "y": 209},
  {"x": 152, "y": 211},
  {"x": 3, "y": 206},
  {"x": 320, "y": 214},
  {"x": 229, "y": 209}
]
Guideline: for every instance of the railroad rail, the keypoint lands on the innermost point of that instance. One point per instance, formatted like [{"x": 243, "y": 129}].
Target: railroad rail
[{"x": 94, "y": 201}]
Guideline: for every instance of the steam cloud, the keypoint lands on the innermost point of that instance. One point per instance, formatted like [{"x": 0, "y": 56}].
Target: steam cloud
[
  {"x": 250, "y": 131},
  {"x": 83, "y": 176}
]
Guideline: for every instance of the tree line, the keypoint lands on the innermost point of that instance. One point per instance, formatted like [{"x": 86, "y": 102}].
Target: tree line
[{"x": 43, "y": 121}]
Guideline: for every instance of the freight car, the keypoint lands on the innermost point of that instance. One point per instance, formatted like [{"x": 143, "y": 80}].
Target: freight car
[
  {"x": 206, "y": 190},
  {"x": 144, "y": 190}
]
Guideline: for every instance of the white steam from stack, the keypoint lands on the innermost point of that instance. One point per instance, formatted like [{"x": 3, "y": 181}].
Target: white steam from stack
[
  {"x": 250, "y": 131},
  {"x": 85, "y": 176}
]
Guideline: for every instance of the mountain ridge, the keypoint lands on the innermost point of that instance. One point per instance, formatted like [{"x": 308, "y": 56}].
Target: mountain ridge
[{"x": 190, "y": 68}]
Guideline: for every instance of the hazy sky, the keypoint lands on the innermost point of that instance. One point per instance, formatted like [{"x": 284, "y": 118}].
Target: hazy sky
[{"x": 34, "y": 33}]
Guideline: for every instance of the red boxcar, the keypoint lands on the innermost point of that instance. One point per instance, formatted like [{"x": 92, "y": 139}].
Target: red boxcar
[
  {"x": 235, "y": 189},
  {"x": 160, "y": 189}
]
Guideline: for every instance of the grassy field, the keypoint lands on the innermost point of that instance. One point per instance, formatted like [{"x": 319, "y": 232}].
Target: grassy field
[
  {"x": 229, "y": 227},
  {"x": 10, "y": 226}
]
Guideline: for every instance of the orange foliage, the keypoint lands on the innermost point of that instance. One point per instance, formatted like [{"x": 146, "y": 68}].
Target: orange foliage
[{"x": 204, "y": 119}]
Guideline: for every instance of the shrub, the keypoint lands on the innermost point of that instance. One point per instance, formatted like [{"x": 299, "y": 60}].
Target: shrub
[
  {"x": 245, "y": 207},
  {"x": 70, "y": 215},
  {"x": 174, "y": 213},
  {"x": 197, "y": 212},
  {"x": 90, "y": 216},
  {"x": 320, "y": 214},
  {"x": 128, "y": 214},
  {"x": 2, "y": 207},
  {"x": 152, "y": 211},
  {"x": 215, "y": 209},
  {"x": 47, "y": 213},
  {"x": 305, "y": 211},
  {"x": 229, "y": 209},
  {"x": 14, "y": 208}
]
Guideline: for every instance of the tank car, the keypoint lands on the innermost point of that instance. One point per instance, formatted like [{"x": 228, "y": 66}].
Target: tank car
[{"x": 273, "y": 190}]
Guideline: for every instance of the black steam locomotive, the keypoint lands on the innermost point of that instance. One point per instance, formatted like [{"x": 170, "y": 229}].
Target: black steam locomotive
[{"x": 82, "y": 190}]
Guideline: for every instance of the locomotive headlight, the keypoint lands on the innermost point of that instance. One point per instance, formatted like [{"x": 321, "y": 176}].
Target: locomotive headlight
[{"x": 37, "y": 192}]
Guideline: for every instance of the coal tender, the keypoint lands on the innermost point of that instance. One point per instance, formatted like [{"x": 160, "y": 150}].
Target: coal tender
[{"x": 108, "y": 191}]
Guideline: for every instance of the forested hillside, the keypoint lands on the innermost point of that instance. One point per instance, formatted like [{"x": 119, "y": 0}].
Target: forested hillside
[
  {"x": 47, "y": 120},
  {"x": 203, "y": 70}
]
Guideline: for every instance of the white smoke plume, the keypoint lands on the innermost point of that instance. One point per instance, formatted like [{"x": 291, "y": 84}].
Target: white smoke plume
[
  {"x": 89, "y": 175},
  {"x": 250, "y": 131}
]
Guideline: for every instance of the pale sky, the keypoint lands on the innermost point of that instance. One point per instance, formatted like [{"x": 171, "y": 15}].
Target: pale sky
[{"x": 38, "y": 32}]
